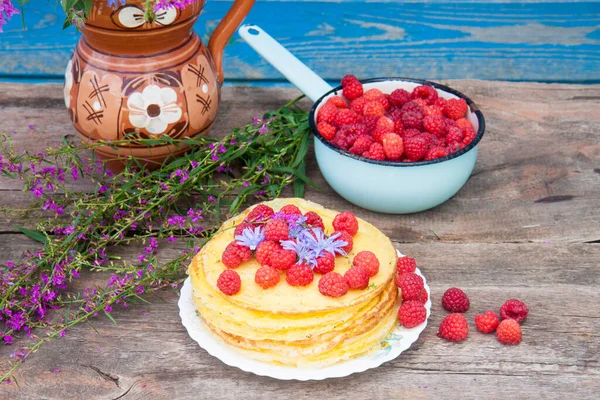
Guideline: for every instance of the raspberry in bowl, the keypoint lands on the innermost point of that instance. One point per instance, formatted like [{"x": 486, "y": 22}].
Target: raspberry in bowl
[
  {"x": 382, "y": 143},
  {"x": 396, "y": 145}
]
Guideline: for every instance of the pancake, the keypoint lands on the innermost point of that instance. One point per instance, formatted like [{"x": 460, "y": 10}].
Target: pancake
[
  {"x": 365, "y": 343},
  {"x": 299, "y": 299},
  {"x": 304, "y": 335},
  {"x": 295, "y": 325},
  {"x": 313, "y": 345}
]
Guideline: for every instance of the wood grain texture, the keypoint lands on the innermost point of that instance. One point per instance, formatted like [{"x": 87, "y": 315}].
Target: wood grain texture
[
  {"x": 534, "y": 179},
  {"x": 525, "y": 226},
  {"x": 535, "y": 41},
  {"x": 149, "y": 354}
]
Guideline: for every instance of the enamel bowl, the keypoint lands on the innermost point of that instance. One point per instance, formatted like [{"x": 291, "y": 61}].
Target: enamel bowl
[{"x": 396, "y": 187}]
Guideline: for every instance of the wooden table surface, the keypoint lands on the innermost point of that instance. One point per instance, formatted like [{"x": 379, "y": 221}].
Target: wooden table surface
[
  {"x": 533, "y": 40},
  {"x": 526, "y": 225}
]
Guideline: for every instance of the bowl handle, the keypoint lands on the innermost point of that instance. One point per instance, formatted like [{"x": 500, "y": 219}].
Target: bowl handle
[{"x": 305, "y": 79}]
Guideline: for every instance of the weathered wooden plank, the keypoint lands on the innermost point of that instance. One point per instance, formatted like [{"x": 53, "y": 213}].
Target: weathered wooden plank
[
  {"x": 150, "y": 355},
  {"x": 541, "y": 41},
  {"x": 536, "y": 177},
  {"x": 536, "y": 265}
]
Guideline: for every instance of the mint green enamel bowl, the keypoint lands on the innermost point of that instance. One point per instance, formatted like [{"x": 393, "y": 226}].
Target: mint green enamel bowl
[{"x": 395, "y": 187}]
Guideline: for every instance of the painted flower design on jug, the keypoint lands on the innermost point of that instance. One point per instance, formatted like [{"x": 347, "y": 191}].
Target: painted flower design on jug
[
  {"x": 154, "y": 109},
  {"x": 68, "y": 83}
]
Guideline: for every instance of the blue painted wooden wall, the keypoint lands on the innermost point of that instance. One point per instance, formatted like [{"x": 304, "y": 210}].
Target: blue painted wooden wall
[{"x": 533, "y": 41}]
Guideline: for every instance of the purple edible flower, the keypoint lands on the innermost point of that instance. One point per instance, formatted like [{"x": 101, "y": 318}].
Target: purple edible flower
[
  {"x": 306, "y": 255},
  {"x": 309, "y": 247},
  {"x": 323, "y": 243},
  {"x": 296, "y": 222},
  {"x": 251, "y": 238}
]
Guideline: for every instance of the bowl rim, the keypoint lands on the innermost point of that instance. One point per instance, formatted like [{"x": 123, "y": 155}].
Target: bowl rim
[{"x": 474, "y": 108}]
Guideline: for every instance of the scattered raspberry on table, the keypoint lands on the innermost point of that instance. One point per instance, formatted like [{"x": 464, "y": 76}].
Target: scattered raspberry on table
[
  {"x": 514, "y": 309},
  {"x": 454, "y": 328},
  {"x": 487, "y": 322},
  {"x": 509, "y": 332},
  {"x": 455, "y": 300}
]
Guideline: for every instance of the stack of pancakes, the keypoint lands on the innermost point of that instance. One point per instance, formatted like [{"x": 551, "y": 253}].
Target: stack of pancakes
[{"x": 295, "y": 325}]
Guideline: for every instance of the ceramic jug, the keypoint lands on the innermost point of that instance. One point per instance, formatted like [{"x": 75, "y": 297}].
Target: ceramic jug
[{"x": 133, "y": 79}]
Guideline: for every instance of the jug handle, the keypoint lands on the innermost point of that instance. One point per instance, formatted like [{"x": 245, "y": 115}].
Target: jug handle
[{"x": 228, "y": 25}]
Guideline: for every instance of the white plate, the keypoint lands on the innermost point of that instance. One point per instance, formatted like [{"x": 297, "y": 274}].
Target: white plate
[{"x": 398, "y": 341}]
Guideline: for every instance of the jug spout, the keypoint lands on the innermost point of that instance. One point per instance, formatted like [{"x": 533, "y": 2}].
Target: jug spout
[{"x": 224, "y": 31}]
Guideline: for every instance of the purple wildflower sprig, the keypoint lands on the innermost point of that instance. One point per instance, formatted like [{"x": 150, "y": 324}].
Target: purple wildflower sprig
[
  {"x": 162, "y": 5},
  {"x": 78, "y": 11},
  {"x": 82, "y": 232},
  {"x": 7, "y": 11}
]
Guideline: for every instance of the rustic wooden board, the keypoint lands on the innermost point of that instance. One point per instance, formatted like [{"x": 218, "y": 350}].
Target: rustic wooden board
[
  {"x": 536, "y": 41},
  {"x": 536, "y": 177},
  {"x": 513, "y": 231},
  {"x": 149, "y": 354}
]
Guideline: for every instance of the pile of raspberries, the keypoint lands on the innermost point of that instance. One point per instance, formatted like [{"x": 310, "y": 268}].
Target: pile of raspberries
[
  {"x": 455, "y": 327},
  {"x": 277, "y": 262},
  {"x": 399, "y": 126}
]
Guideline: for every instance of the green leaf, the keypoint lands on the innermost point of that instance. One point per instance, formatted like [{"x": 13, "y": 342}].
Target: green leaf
[
  {"x": 129, "y": 184},
  {"x": 296, "y": 172},
  {"x": 67, "y": 315},
  {"x": 218, "y": 209},
  {"x": 93, "y": 327},
  {"x": 299, "y": 185},
  {"x": 152, "y": 142},
  {"x": 138, "y": 297},
  {"x": 87, "y": 5},
  {"x": 67, "y": 4},
  {"x": 33, "y": 234},
  {"x": 67, "y": 23},
  {"x": 303, "y": 148},
  {"x": 234, "y": 203},
  {"x": 110, "y": 317}
]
